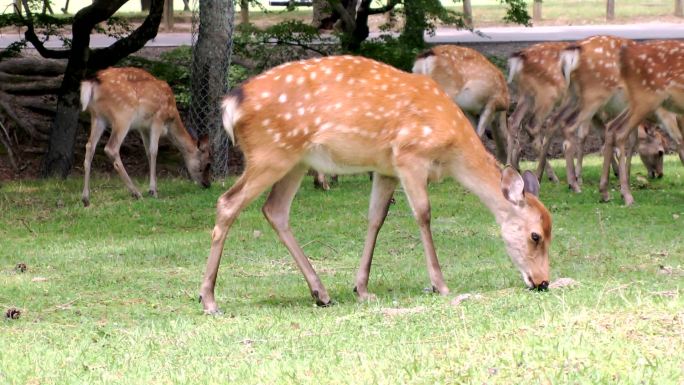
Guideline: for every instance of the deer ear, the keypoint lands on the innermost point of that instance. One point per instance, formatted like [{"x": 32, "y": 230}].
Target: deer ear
[
  {"x": 531, "y": 183},
  {"x": 512, "y": 186}
]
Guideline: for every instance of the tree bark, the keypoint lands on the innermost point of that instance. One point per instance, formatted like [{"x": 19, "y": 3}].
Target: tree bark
[
  {"x": 679, "y": 8},
  {"x": 537, "y": 11},
  {"x": 468, "y": 13},
  {"x": 244, "y": 12},
  {"x": 210, "y": 58},
  {"x": 145, "y": 5},
  {"x": 167, "y": 15},
  {"x": 59, "y": 158},
  {"x": 322, "y": 15},
  {"x": 610, "y": 9}
]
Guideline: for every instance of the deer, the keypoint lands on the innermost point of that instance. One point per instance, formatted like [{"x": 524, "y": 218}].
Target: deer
[
  {"x": 652, "y": 147},
  {"x": 653, "y": 73},
  {"x": 476, "y": 85},
  {"x": 535, "y": 73},
  {"x": 591, "y": 68},
  {"x": 357, "y": 115},
  {"x": 131, "y": 98}
]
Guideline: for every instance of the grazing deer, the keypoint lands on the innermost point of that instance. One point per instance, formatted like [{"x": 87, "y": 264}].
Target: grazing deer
[
  {"x": 536, "y": 74},
  {"x": 354, "y": 115},
  {"x": 474, "y": 83},
  {"x": 131, "y": 98},
  {"x": 592, "y": 70},
  {"x": 652, "y": 148},
  {"x": 653, "y": 73}
]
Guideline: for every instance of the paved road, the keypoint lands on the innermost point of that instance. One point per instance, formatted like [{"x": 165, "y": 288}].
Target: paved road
[{"x": 447, "y": 35}]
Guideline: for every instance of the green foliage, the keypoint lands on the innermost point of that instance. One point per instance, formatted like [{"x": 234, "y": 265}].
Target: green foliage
[
  {"x": 390, "y": 50},
  {"x": 286, "y": 41},
  {"x": 516, "y": 12}
]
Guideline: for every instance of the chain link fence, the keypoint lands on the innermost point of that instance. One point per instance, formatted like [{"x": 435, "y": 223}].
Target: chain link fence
[{"x": 212, "y": 31}]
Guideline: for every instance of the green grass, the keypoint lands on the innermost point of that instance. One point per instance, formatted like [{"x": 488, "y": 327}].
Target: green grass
[{"x": 118, "y": 303}]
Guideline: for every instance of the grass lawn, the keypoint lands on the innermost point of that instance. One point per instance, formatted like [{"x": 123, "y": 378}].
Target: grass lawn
[{"x": 110, "y": 294}]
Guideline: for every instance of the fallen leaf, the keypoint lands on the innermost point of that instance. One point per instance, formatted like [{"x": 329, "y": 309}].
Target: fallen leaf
[
  {"x": 39, "y": 279},
  {"x": 562, "y": 282},
  {"x": 391, "y": 312},
  {"x": 256, "y": 234},
  {"x": 675, "y": 216},
  {"x": 464, "y": 297}
]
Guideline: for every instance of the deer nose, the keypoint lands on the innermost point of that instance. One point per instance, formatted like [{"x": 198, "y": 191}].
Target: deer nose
[
  {"x": 660, "y": 153},
  {"x": 543, "y": 286}
]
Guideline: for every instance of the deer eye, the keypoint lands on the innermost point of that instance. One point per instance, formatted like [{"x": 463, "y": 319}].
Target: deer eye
[{"x": 536, "y": 237}]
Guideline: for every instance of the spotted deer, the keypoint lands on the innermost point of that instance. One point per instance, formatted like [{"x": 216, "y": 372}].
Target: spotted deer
[
  {"x": 592, "y": 69},
  {"x": 535, "y": 73},
  {"x": 131, "y": 98},
  {"x": 345, "y": 114},
  {"x": 652, "y": 147},
  {"x": 474, "y": 83},
  {"x": 653, "y": 73}
]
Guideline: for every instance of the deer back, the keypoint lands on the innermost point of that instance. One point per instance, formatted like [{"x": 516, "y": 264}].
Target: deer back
[
  {"x": 344, "y": 111},
  {"x": 466, "y": 75}
]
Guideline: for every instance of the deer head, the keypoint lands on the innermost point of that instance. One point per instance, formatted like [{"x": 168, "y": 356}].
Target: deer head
[{"x": 652, "y": 149}]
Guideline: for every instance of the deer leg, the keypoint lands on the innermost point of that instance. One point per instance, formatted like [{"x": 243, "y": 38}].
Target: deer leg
[
  {"x": 277, "y": 212},
  {"x": 155, "y": 132},
  {"x": 413, "y": 177},
  {"x": 112, "y": 150},
  {"x": 500, "y": 134},
  {"x": 536, "y": 132},
  {"x": 582, "y": 134},
  {"x": 514, "y": 124},
  {"x": 97, "y": 127},
  {"x": 486, "y": 117},
  {"x": 553, "y": 123},
  {"x": 253, "y": 182},
  {"x": 608, "y": 149},
  {"x": 381, "y": 194},
  {"x": 320, "y": 181}
]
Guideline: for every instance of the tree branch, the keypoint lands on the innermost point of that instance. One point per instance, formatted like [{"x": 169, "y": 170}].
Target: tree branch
[
  {"x": 31, "y": 37},
  {"x": 391, "y": 4},
  {"x": 105, "y": 57}
]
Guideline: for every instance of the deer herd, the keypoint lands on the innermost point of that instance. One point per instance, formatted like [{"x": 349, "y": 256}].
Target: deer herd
[{"x": 347, "y": 114}]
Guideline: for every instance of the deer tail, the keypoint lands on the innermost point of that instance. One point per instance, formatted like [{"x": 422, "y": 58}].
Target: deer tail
[
  {"x": 231, "y": 111},
  {"x": 88, "y": 88}
]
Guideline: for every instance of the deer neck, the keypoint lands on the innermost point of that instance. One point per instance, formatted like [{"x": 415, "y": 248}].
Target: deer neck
[
  {"x": 480, "y": 174},
  {"x": 182, "y": 139}
]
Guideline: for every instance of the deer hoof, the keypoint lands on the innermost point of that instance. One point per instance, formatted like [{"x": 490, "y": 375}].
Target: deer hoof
[
  {"x": 136, "y": 195},
  {"x": 364, "y": 296},
  {"x": 321, "y": 300},
  {"x": 86, "y": 201},
  {"x": 153, "y": 193},
  {"x": 575, "y": 188},
  {"x": 430, "y": 290}
]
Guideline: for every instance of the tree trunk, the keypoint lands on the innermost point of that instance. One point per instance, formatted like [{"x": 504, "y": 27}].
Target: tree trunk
[
  {"x": 468, "y": 13},
  {"x": 537, "y": 11},
  {"x": 244, "y": 12},
  {"x": 322, "y": 15},
  {"x": 186, "y": 5},
  {"x": 145, "y": 5},
  {"x": 679, "y": 8},
  {"x": 167, "y": 16},
  {"x": 210, "y": 60},
  {"x": 610, "y": 9}
]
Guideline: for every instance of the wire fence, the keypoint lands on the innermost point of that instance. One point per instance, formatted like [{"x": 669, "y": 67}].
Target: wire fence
[{"x": 212, "y": 30}]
